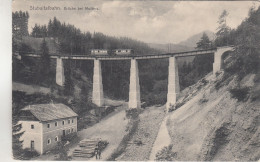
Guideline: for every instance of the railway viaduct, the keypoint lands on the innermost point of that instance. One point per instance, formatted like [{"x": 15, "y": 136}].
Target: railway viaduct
[{"x": 134, "y": 87}]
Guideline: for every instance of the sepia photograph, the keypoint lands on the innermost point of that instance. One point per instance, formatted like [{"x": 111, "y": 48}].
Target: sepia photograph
[{"x": 135, "y": 80}]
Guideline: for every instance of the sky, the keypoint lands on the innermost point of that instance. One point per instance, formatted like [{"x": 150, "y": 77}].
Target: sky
[{"x": 148, "y": 21}]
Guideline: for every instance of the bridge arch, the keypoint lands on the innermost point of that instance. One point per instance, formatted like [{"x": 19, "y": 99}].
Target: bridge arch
[{"x": 218, "y": 57}]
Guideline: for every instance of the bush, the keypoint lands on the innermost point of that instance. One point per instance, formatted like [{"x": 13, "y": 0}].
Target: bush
[
  {"x": 172, "y": 108},
  {"x": 203, "y": 100},
  {"x": 166, "y": 154},
  {"x": 154, "y": 98},
  {"x": 223, "y": 81},
  {"x": 176, "y": 106},
  {"x": 204, "y": 81},
  {"x": 108, "y": 110},
  {"x": 28, "y": 154},
  {"x": 255, "y": 94},
  {"x": 61, "y": 150},
  {"x": 241, "y": 94},
  {"x": 133, "y": 113},
  {"x": 69, "y": 137}
]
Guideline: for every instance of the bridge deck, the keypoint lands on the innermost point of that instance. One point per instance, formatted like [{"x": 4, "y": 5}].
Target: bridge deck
[{"x": 127, "y": 57}]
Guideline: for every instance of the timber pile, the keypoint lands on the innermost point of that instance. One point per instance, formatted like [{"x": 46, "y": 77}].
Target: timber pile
[{"x": 86, "y": 148}]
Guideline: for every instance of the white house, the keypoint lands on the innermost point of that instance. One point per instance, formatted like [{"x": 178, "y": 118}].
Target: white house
[{"x": 45, "y": 124}]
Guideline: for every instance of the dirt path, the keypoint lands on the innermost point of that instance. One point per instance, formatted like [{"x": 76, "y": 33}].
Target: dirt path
[
  {"x": 29, "y": 89},
  {"x": 111, "y": 129},
  {"x": 163, "y": 139}
]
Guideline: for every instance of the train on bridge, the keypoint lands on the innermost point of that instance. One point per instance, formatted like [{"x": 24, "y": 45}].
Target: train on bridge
[{"x": 97, "y": 52}]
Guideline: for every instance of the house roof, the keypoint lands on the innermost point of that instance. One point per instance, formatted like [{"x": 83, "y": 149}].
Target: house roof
[{"x": 47, "y": 112}]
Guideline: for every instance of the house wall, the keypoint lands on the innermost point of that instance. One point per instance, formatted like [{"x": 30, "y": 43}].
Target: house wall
[
  {"x": 32, "y": 134},
  {"x": 56, "y": 131}
]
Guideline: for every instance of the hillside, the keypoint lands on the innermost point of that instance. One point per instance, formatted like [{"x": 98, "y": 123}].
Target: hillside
[
  {"x": 214, "y": 125},
  {"x": 35, "y": 43}
]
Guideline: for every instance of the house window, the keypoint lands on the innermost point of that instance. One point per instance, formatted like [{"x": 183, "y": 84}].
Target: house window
[
  {"x": 72, "y": 121},
  {"x": 126, "y": 51},
  {"x": 68, "y": 121},
  {"x": 56, "y": 124},
  {"x": 32, "y": 126},
  {"x": 48, "y": 141},
  {"x": 63, "y": 122},
  {"x": 56, "y": 139},
  {"x": 71, "y": 130},
  {"x": 48, "y": 125}
]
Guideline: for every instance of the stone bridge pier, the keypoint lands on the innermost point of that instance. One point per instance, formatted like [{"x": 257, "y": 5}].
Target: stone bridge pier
[
  {"x": 60, "y": 78},
  {"x": 97, "y": 93},
  {"x": 134, "y": 87},
  {"x": 173, "y": 82}
]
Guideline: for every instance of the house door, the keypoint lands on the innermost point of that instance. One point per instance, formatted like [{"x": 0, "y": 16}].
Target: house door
[
  {"x": 32, "y": 145},
  {"x": 63, "y": 133}
]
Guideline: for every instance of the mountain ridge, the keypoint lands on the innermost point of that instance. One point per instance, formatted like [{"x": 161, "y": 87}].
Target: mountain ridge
[
  {"x": 186, "y": 45},
  {"x": 191, "y": 41}
]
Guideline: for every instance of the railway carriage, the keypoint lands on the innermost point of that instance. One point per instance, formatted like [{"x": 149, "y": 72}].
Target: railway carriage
[
  {"x": 123, "y": 51},
  {"x": 99, "y": 52}
]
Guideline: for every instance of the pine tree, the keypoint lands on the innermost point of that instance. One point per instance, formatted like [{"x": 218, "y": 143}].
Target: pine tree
[
  {"x": 204, "y": 42},
  {"x": 68, "y": 85},
  {"x": 223, "y": 30},
  {"x": 56, "y": 27},
  {"x": 44, "y": 64},
  {"x": 16, "y": 134},
  {"x": 50, "y": 29},
  {"x": 45, "y": 58},
  {"x": 16, "y": 143}
]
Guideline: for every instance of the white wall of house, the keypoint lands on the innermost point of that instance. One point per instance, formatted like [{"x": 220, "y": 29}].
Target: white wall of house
[
  {"x": 30, "y": 134},
  {"x": 57, "y": 131},
  {"x": 41, "y": 133}
]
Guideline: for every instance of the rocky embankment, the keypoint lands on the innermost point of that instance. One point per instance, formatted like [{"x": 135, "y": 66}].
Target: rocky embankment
[{"x": 213, "y": 125}]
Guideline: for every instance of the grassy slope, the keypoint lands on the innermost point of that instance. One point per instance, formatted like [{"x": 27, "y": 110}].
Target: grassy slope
[
  {"x": 221, "y": 128},
  {"x": 147, "y": 130}
]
